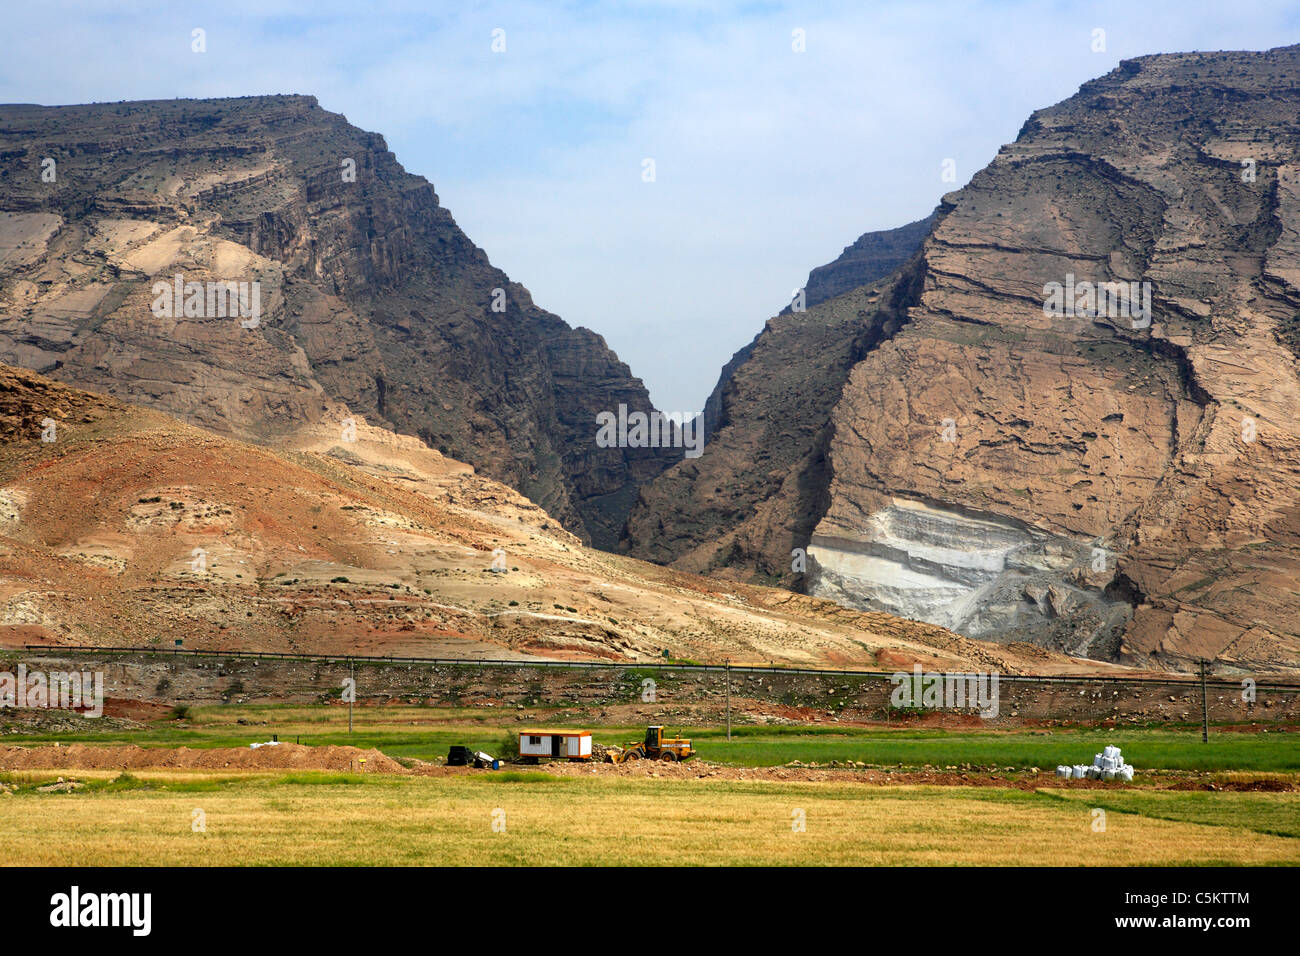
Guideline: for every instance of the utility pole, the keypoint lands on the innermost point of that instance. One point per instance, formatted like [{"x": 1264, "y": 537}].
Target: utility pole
[
  {"x": 1205, "y": 704},
  {"x": 352, "y": 696},
  {"x": 728, "y": 698}
]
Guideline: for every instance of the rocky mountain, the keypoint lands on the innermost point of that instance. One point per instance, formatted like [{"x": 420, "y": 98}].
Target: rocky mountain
[
  {"x": 1073, "y": 417},
  {"x": 873, "y": 256},
  {"x": 759, "y": 489},
  {"x": 124, "y": 526},
  {"x": 370, "y": 300}
]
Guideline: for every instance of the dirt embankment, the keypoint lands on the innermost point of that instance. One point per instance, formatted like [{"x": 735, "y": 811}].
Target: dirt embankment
[
  {"x": 274, "y": 757},
  {"x": 644, "y": 693}
]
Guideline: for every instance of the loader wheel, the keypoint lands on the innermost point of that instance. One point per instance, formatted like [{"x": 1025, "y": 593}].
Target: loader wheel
[
  {"x": 631, "y": 755},
  {"x": 668, "y": 756}
]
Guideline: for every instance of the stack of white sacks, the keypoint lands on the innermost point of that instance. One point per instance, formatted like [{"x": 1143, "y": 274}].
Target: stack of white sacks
[{"x": 1107, "y": 765}]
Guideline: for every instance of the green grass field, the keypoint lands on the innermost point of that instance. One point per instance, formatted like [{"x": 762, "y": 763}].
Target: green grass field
[
  {"x": 320, "y": 818},
  {"x": 427, "y": 733}
]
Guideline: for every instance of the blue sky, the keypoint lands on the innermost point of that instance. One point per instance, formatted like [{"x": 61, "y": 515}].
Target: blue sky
[{"x": 768, "y": 161}]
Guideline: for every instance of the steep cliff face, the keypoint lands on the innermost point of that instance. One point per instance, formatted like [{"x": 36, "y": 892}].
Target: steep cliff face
[
  {"x": 757, "y": 494},
  {"x": 872, "y": 257},
  {"x": 372, "y": 300},
  {"x": 760, "y": 487},
  {"x": 1101, "y": 480}
]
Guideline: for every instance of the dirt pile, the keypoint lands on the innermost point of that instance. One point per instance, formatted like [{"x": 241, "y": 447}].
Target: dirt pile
[
  {"x": 272, "y": 757},
  {"x": 603, "y": 754}
]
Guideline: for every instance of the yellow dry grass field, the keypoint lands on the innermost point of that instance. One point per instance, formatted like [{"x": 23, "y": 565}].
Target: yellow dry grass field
[{"x": 534, "y": 819}]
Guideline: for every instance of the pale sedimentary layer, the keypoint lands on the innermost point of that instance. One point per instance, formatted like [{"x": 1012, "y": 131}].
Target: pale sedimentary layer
[{"x": 976, "y": 573}]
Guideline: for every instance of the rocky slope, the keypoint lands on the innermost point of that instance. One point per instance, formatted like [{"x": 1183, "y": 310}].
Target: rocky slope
[
  {"x": 873, "y": 256},
  {"x": 132, "y": 528},
  {"x": 1086, "y": 479},
  {"x": 372, "y": 301},
  {"x": 759, "y": 489}
]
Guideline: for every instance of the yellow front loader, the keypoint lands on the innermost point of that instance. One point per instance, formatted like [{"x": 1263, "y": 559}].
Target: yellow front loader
[{"x": 656, "y": 747}]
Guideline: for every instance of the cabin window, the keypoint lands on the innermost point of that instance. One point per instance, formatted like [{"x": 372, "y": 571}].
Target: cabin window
[{"x": 534, "y": 741}]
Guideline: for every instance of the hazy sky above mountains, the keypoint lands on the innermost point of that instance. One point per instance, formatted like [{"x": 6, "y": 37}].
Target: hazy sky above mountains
[{"x": 768, "y": 161}]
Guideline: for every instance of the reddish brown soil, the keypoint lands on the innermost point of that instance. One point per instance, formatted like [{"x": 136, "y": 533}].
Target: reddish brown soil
[
  {"x": 143, "y": 710},
  {"x": 280, "y": 757}
]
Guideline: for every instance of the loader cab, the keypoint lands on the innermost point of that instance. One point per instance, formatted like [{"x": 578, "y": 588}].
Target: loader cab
[{"x": 652, "y": 736}]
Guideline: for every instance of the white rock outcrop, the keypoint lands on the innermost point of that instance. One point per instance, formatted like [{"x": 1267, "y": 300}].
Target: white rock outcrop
[{"x": 979, "y": 574}]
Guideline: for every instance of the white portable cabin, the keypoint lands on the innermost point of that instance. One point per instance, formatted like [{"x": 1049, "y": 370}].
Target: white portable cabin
[{"x": 562, "y": 744}]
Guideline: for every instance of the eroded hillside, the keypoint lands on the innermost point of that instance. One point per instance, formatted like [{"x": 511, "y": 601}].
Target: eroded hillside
[{"x": 122, "y": 526}]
